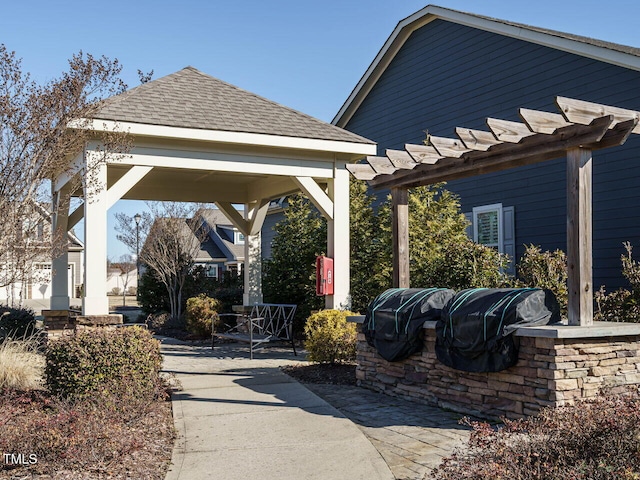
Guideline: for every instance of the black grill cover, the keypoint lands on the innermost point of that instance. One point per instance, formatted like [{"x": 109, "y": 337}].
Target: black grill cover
[
  {"x": 474, "y": 333},
  {"x": 393, "y": 324}
]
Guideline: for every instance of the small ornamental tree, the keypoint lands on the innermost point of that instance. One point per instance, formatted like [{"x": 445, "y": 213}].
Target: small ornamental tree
[{"x": 171, "y": 240}]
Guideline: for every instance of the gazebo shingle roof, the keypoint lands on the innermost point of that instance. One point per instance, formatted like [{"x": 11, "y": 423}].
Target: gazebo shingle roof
[{"x": 190, "y": 98}]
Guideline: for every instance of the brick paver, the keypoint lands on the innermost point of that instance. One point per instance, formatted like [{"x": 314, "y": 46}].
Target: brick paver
[{"x": 411, "y": 437}]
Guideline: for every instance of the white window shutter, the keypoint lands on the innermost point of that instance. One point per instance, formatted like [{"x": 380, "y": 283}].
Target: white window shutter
[{"x": 509, "y": 237}]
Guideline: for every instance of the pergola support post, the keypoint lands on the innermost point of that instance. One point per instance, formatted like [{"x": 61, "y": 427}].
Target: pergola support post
[
  {"x": 400, "y": 214},
  {"x": 579, "y": 236}
]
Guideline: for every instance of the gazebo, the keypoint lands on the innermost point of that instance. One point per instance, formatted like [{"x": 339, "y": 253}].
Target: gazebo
[{"x": 198, "y": 139}]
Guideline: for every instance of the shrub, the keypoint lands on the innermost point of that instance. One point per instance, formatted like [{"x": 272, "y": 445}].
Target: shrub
[
  {"x": 21, "y": 366},
  {"x": 97, "y": 362},
  {"x": 538, "y": 269},
  {"x": 201, "y": 312},
  {"x": 16, "y": 322},
  {"x": 623, "y": 305},
  {"x": 330, "y": 338},
  {"x": 466, "y": 264},
  {"x": 594, "y": 439},
  {"x": 115, "y": 291}
]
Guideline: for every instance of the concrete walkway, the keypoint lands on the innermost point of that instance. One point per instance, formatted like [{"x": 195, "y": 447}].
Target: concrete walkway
[{"x": 245, "y": 419}]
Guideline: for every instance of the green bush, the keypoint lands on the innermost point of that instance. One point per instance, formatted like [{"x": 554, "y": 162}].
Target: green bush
[
  {"x": 623, "y": 305},
  {"x": 104, "y": 362},
  {"x": 330, "y": 338},
  {"x": 153, "y": 297},
  {"x": 538, "y": 269},
  {"x": 466, "y": 264},
  {"x": 201, "y": 312},
  {"x": 17, "y": 323}
]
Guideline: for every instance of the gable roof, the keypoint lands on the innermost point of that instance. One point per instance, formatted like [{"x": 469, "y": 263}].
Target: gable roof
[
  {"x": 215, "y": 218},
  {"x": 192, "y": 99},
  {"x": 621, "y": 55}
]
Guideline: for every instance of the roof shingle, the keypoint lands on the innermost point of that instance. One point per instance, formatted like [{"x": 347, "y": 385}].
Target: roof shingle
[{"x": 192, "y": 99}]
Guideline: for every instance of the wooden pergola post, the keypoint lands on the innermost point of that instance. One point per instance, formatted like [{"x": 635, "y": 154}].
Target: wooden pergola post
[
  {"x": 579, "y": 236},
  {"x": 400, "y": 202}
]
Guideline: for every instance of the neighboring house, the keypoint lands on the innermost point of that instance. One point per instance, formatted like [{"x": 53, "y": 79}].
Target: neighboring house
[
  {"x": 38, "y": 287},
  {"x": 223, "y": 248},
  {"x": 441, "y": 69},
  {"x": 221, "y": 244}
]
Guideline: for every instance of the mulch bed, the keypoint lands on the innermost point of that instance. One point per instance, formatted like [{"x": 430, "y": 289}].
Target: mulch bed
[{"x": 323, "y": 373}]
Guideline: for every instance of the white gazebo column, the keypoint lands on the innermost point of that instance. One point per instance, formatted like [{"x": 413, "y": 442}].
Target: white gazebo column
[
  {"x": 60, "y": 253},
  {"x": 95, "y": 301},
  {"x": 253, "y": 254},
  {"x": 338, "y": 239}
]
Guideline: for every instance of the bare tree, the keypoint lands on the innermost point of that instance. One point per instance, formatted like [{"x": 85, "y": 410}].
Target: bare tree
[
  {"x": 36, "y": 145},
  {"x": 171, "y": 236}
]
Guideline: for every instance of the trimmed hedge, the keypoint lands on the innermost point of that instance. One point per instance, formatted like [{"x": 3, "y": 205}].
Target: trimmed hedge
[
  {"x": 104, "y": 362},
  {"x": 201, "y": 312},
  {"x": 330, "y": 338}
]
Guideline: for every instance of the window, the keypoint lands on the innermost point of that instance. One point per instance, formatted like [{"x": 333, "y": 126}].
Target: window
[
  {"x": 494, "y": 226},
  {"x": 211, "y": 271},
  {"x": 238, "y": 238},
  {"x": 487, "y": 226}
]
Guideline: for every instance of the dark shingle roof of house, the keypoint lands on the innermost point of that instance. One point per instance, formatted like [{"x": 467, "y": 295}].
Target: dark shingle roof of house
[
  {"x": 570, "y": 36},
  {"x": 216, "y": 218},
  {"x": 192, "y": 99}
]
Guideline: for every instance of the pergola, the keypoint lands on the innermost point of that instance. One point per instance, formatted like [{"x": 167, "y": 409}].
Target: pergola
[
  {"x": 198, "y": 139},
  {"x": 580, "y": 128}
]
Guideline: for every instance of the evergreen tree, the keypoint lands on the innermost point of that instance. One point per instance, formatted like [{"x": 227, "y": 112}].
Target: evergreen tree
[{"x": 289, "y": 275}]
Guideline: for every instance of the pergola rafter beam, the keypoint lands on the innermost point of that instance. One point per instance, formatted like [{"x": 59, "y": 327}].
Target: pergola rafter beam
[
  {"x": 579, "y": 111},
  {"x": 534, "y": 149}
]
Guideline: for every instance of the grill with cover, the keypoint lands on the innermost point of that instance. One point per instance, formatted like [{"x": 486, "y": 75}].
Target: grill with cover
[
  {"x": 394, "y": 320},
  {"x": 475, "y": 331}
]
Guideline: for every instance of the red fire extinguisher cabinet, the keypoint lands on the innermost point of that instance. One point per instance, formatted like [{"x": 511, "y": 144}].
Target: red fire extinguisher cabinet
[{"x": 324, "y": 275}]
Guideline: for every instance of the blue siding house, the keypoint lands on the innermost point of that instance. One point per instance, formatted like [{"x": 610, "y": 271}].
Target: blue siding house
[{"x": 441, "y": 69}]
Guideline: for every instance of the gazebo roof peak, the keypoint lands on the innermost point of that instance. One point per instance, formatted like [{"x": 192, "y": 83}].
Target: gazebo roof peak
[{"x": 190, "y": 98}]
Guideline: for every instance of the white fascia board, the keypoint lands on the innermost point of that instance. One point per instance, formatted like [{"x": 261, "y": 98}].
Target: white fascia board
[
  {"x": 225, "y": 162},
  {"x": 241, "y": 138},
  {"x": 422, "y": 17}
]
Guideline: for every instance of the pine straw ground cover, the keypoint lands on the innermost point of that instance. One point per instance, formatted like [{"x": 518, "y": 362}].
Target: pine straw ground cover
[{"x": 83, "y": 440}]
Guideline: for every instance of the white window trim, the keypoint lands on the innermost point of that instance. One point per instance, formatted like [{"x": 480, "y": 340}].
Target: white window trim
[{"x": 489, "y": 208}]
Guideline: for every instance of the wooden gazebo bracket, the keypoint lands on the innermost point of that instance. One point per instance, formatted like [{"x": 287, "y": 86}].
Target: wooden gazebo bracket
[{"x": 580, "y": 128}]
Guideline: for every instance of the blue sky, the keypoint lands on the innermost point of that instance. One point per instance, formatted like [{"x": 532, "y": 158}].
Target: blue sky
[{"x": 307, "y": 55}]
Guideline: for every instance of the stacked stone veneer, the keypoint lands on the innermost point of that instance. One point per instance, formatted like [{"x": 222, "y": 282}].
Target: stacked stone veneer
[
  {"x": 550, "y": 372},
  {"x": 66, "y": 322}
]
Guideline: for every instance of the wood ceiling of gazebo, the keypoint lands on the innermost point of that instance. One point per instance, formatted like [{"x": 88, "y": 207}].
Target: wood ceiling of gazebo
[{"x": 542, "y": 136}]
